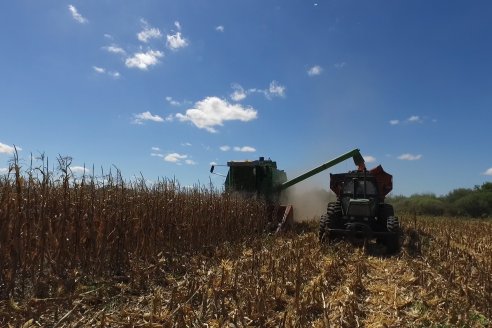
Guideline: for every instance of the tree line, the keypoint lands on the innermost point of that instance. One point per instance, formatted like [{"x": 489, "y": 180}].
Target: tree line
[{"x": 471, "y": 202}]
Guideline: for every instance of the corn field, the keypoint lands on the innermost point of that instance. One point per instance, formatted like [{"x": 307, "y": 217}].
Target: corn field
[{"x": 110, "y": 253}]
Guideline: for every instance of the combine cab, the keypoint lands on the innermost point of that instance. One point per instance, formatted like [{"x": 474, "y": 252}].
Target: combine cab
[{"x": 360, "y": 212}]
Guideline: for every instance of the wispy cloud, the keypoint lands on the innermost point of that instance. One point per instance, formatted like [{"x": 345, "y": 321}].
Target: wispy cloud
[
  {"x": 79, "y": 170},
  {"x": 156, "y": 148},
  {"x": 140, "y": 118},
  {"x": 176, "y": 41},
  {"x": 369, "y": 159},
  {"x": 414, "y": 119},
  {"x": 179, "y": 159},
  {"x": 115, "y": 49},
  {"x": 276, "y": 90},
  {"x": 4, "y": 170},
  {"x": 409, "y": 157},
  {"x": 213, "y": 111},
  {"x": 143, "y": 60},
  {"x": 245, "y": 149},
  {"x": 219, "y": 28},
  {"x": 6, "y": 149},
  {"x": 239, "y": 93},
  {"x": 178, "y": 25},
  {"x": 148, "y": 32},
  {"x": 115, "y": 74},
  {"x": 174, "y": 157},
  {"x": 172, "y": 102},
  {"x": 340, "y": 65},
  {"x": 411, "y": 120},
  {"x": 99, "y": 70},
  {"x": 315, "y": 70},
  {"x": 488, "y": 172},
  {"x": 76, "y": 15},
  {"x": 225, "y": 148},
  {"x": 102, "y": 70}
]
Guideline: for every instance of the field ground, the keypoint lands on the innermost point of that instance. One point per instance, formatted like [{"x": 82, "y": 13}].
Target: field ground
[{"x": 441, "y": 278}]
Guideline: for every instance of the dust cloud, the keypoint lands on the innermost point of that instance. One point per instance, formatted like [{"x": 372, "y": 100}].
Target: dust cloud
[{"x": 309, "y": 202}]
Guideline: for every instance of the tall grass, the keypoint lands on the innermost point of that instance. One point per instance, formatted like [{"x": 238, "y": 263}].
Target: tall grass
[{"x": 54, "y": 227}]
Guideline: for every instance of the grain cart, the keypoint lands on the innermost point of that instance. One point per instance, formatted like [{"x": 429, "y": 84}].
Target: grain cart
[
  {"x": 360, "y": 212},
  {"x": 262, "y": 179}
]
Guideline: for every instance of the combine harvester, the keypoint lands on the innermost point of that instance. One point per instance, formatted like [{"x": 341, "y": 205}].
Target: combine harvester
[{"x": 359, "y": 213}]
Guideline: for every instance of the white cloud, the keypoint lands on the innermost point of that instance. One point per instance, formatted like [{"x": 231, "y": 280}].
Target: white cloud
[
  {"x": 238, "y": 94},
  {"x": 149, "y": 33},
  {"x": 172, "y": 102},
  {"x": 75, "y": 15},
  {"x": 99, "y": 70},
  {"x": 340, "y": 65},
  {"x": 6, "y": 149},
  {"x": 186, "y": 144},
  {"x": 114, "y": 49},
  {"x": 276, "y": 89},
  {"x": 213, "y": 111},
  {"x": 79, "y": 170},
  {"x": 190, "y": 162},
  {"x": 175, "y": 41},
  {"x": 140, "y": 118},
  {"x": 174, "y": 157},
  {"x": 220, "y": 28},
  {"x": 369, "y": 159},
  {"x": 225, "y": 148},
  {"x": 4, "y": 170},
  {"x": 414, "y": 119},
  {"x": 394, "y": 122},
  {"x": 488, "y": 172},
  {"x": 115, "y": 75},
  {"x": 102, "y": 70},
  {"x": 156, "y": 148},
  {"x": 212, "y": 163},
  {"x": 108, "y": 36},
  {"x": 156, "y": 155},
  {"x": 245, "y": 149},
  {"x": 409, "y": 157},
  {"x": 178, "y": 25},
  {"x": 142, "y": 60},
  {"x": 315, "y": 70}
]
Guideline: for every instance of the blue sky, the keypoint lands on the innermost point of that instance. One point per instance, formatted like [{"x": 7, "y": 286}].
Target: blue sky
[{"x": 164, "y": 88}]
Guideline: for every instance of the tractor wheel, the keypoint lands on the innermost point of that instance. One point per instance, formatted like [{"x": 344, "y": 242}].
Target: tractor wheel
[
  {"x": 393, "y": 240},
  {"x": 330, "y": 220}
]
